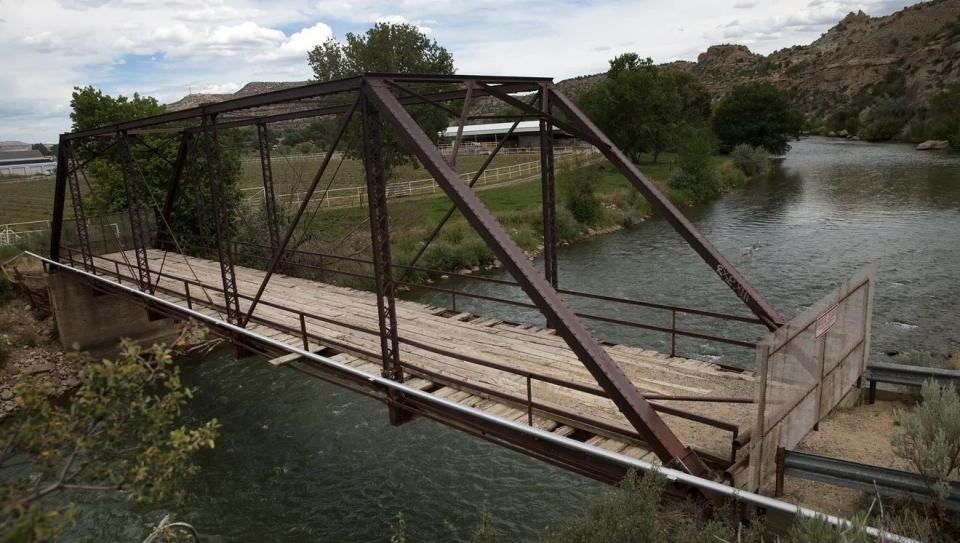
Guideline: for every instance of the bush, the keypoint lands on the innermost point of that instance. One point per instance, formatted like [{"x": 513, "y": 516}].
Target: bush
[
  {"x": 929, "y": 435},
  {"x": 568, "y": 229},
  {"x": 883, "y": 120},
  {"x": 752, "y": 161},
  {"x": 696, "y": 176},
  {"x": 581, "y": 199},
  {"x": 729, "y": 176},
  {"x": 636, "y": 211}
]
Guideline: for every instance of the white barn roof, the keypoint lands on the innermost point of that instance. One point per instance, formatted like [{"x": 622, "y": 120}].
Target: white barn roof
[{"x": 525, "y": 127}]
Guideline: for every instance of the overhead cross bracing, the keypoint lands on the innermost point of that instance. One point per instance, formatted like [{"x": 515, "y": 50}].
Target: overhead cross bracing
[{"x": 599, "y": 392}]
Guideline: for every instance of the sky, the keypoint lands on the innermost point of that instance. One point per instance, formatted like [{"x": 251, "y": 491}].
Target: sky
[{"x": 170, "y": 48}]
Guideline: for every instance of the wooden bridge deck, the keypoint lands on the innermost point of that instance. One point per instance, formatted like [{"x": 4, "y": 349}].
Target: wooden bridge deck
[{"x": 522, "y": 347}]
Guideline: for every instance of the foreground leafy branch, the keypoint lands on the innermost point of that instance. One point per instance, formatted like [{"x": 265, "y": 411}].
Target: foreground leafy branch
[{"x": 118, "y": 433}]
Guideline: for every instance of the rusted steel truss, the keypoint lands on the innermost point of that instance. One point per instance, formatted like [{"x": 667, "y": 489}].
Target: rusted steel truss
[{"x": 384, "y": 98}]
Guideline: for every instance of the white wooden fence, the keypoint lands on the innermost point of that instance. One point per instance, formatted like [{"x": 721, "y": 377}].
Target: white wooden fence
[{"x": 356, "y": 196}]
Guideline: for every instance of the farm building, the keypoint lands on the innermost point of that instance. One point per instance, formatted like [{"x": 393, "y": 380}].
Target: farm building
[
  {"x": 29, "y": 162},
  {"x": 483, "y": 136}
]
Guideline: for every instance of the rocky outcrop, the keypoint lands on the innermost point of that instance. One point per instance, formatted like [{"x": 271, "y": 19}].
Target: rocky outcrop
[{"x": 933, "y": 145}]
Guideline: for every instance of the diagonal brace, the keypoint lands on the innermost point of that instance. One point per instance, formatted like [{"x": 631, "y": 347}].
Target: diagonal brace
[
  {"x": 608, "y": 374},
  {"x": 739, "y": 284}
]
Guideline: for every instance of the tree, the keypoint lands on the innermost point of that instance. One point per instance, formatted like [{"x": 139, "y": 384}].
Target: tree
[
  {"x": 386, "y": 47},
  {"x": 152, "y": 158},
  {"x": 119, "y": 433},
  {"x": 643, "y": 108},
  {"x": 757, "y": 114},
  {"x": 944, "y": 114}
]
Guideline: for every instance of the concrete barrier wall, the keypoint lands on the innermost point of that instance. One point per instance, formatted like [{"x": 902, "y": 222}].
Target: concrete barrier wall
[{"x": 96, "y": 322}]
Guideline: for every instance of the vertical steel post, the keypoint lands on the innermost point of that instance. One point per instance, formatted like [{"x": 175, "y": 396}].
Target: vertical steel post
[
  {"x": 135, "y": 213},
  {"x": 549, "y": 196},
  {"x": 380, "y": 246},
  {"x": 222, "y": 228},
  {"x": 79, "y": 216},
  {"x": 173, "y": 189},
  {"x": 59, "y": 197},
  {"x": 598, "y": 362},
  {"x": 269, "y": 199}
]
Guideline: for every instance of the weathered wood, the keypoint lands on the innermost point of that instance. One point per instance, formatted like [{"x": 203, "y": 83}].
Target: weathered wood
[{"x": 526, "y": 348}]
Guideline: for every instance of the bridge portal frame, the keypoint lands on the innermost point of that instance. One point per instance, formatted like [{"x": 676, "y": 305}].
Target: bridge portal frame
[{"x": 387, "y": 96}]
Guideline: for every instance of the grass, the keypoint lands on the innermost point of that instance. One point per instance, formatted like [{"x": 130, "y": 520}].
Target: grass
[
  {"x": 32, "y": 199},
  {"x": 517, "y": 206},
  {"x": 293, "y": 173}
]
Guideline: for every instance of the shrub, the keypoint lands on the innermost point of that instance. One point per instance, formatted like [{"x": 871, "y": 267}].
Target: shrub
[
  {"x": 929, "y": 435},
  {"x": 696, "y": 176},
  {"x": 568, "y": 229},
  {"x": 728, "y": 176},
  {"x": 752, "y": 161},
  {"x": 636, "y": 210},
  {"x": 581, "y": 199},
  {"x": 883, "y": 120}
]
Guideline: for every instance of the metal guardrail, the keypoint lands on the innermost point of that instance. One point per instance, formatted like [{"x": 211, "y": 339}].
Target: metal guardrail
[
  {"x": 863, "y": 477},
  {"x": 906, "y": 375}
]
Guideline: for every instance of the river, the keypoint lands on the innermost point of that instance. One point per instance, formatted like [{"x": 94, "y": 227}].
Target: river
[{"x": 299, "y": 460}]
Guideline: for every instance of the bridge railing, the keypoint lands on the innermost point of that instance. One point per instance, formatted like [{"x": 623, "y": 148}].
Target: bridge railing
[
  {"x": 195, "y": 294},
  {"x": 321, "y": 264}
]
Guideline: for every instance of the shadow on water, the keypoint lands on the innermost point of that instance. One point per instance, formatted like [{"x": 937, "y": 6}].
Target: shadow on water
[{"x": 300, "y": 460}]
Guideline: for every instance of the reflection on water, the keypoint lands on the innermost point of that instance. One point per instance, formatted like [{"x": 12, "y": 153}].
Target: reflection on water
[{"x": 300, "y": 460}]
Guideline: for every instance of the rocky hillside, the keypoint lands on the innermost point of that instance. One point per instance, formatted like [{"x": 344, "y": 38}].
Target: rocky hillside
[
  {"x": 914, "y": 53},
  {"x": 911, "y": 54}
]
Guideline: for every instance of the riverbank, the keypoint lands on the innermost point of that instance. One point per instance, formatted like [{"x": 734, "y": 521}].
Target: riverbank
[
  {"x": 592, "y": 200},
  {"x": 28, "y": 342}
]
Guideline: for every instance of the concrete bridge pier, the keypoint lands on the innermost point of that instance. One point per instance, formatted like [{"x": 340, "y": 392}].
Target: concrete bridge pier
[{"x": 97, "y": 321}]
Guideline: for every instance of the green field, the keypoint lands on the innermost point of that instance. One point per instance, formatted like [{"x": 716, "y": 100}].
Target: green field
[{"x": 32, "y": 200}]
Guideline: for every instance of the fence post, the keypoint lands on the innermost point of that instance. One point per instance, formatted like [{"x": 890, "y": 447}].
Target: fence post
[
  {"x": 529, "y": 402},
  {"x": 186, "y": 289},
  {"x": 673, "y": 333},
  {"x": 303, "y": 332}
]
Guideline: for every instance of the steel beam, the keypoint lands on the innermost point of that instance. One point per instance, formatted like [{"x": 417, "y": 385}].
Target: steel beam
[
  {"x": 154, "y": 125},
  {"x": 380, "y": 247},
  {"x": 79, "y": 215},
  {"x": 269, "y": 199},
  {"x": 548, "y": 193},
  {"x": 476, "y": 177},
  {"x": 222, "y": 227},
  {"x": 607, "y": 373},
  {"x": 282, "y": 249},
  {"x": 662, "y": 205},
  {"x": 173, "y": 187},
  {"x": 135, "y": 213},
  {"x": 59, "y": 198},
  {"x": 463, "y": 120}
]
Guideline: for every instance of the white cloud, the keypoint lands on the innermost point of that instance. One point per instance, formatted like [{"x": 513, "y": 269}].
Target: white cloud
[{"x": 169, "y": 47}]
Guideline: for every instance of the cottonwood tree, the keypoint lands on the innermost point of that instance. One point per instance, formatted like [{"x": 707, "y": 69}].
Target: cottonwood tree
[
  {"x": 644, "y": 108},
  {"x": 153, "y": 156},
  {"x": 756, "y": 114},
  {"x": 119, "y": 433},
  {"x": 386, "y": 47}
]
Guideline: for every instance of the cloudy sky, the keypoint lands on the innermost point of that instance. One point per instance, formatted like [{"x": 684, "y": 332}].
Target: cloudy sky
[{"x": 168, "y": 48}]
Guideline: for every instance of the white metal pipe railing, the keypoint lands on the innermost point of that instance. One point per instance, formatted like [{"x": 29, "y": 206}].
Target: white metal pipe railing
[{"x": 672, "y": 475}]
